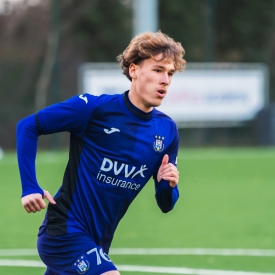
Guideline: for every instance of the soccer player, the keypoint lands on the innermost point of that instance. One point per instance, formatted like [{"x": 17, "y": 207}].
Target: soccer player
[{"x": 117, "y": 143}]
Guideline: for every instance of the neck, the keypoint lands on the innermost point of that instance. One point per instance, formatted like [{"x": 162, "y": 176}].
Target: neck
[{"x": 137, "y": 101}]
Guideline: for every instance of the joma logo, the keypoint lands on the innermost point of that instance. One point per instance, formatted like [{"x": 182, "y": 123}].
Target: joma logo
[{"x": 108, "y": 165}]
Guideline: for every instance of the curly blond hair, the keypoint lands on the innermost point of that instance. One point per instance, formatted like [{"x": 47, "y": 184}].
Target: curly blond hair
[{"x": 149, "y": 44}]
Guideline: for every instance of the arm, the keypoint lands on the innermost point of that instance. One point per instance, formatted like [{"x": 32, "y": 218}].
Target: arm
[
  {"x": 72, "y": 116},
  {"x": 166, "y": 187},
  {"x": 166, "y": 176},
  {"x": 27, "y": 138}
]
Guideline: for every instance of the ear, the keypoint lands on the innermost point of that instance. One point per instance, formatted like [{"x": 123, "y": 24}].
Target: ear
[{"x": 133, "y": 70}]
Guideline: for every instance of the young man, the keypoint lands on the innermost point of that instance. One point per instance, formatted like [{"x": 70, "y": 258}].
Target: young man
[{"x": 117, "y": 143}]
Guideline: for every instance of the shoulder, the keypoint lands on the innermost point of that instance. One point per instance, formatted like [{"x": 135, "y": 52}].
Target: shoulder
[
  {"x": 109, "y": 98},
  {"x": 88, "y": 101},
  {"x": 98, "y": 99},
  {"x": 167, "y": 124},
  {"x": 168, "y": 130},
  {"x": 162, "y": 117}
]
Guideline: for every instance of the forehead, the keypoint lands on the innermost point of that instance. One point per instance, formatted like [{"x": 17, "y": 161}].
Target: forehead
[{"x": 157, "y": 60}]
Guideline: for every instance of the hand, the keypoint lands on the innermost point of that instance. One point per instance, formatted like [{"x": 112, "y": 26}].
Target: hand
[
  {"x": 168, "y": 171},
  {"x": 34, "y": 202}
]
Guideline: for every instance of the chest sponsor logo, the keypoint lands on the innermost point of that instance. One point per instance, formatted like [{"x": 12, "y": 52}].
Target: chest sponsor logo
[
  {"x": 108, "y": 165},
  {"x": 129, "y": 173},
  {"x": 158, "y": 143}
]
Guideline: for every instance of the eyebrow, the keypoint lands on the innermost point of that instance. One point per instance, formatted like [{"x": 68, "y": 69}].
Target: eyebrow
[{"x": 163, "y": 67}]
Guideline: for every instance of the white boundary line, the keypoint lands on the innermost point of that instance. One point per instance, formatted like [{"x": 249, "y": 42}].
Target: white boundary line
[
  {"x": 18, "y": 252},
  {"x": 23, "y": 263},
  {"x": 148, "y": 269},
  {"x": 162, "y": 251},
  {"x": 184, "y": 270},
  {"x": 193, "y": 251}
]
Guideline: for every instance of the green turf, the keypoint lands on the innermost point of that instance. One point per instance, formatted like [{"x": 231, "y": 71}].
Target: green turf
[
  {"x": 227, "y": 200},
  {"x": 15, "y": 270}
]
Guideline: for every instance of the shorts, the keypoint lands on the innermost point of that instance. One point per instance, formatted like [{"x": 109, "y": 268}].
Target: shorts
[{"x": 72, "y": 254}]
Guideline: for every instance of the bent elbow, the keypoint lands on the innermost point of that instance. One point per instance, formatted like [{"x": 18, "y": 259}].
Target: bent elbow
[{"x": 165, "y": 208}]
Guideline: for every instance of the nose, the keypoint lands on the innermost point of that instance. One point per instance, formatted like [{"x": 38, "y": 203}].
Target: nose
[{"x": 165, "y": 80}]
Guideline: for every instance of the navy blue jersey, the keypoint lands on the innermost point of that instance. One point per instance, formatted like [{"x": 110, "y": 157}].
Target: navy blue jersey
[{"x": 115, "y": 148}]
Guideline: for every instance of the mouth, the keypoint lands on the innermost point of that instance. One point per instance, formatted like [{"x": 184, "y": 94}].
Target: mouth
[{"x": 161, "y": 92}]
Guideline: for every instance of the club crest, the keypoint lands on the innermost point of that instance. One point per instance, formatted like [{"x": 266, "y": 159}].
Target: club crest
[
  {"x": 81, "y": 265},
  {"x": 159, "y": 143}
]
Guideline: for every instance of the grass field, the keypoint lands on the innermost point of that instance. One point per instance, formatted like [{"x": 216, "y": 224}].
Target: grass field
[{"x": 227, "y": 201}]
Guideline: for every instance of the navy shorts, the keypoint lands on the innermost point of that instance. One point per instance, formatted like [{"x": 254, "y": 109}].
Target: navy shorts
[{"x": 71, "y": 254}]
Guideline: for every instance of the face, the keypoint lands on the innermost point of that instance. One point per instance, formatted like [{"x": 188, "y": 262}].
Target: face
[{"x": 150, "y": 81}]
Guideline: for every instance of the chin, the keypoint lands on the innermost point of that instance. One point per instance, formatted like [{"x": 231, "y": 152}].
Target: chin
[
  {"x": 157, "y": 104},
  {"x": 153, "y": 104}
]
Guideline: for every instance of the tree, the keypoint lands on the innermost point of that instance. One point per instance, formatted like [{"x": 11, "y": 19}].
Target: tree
[{"x": 243, "y": 30}]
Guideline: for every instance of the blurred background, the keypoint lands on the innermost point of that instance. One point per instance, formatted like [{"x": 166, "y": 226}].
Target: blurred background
[
  {"x": 223, "y": 104},
  {"x": 43, "y": 44}
]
